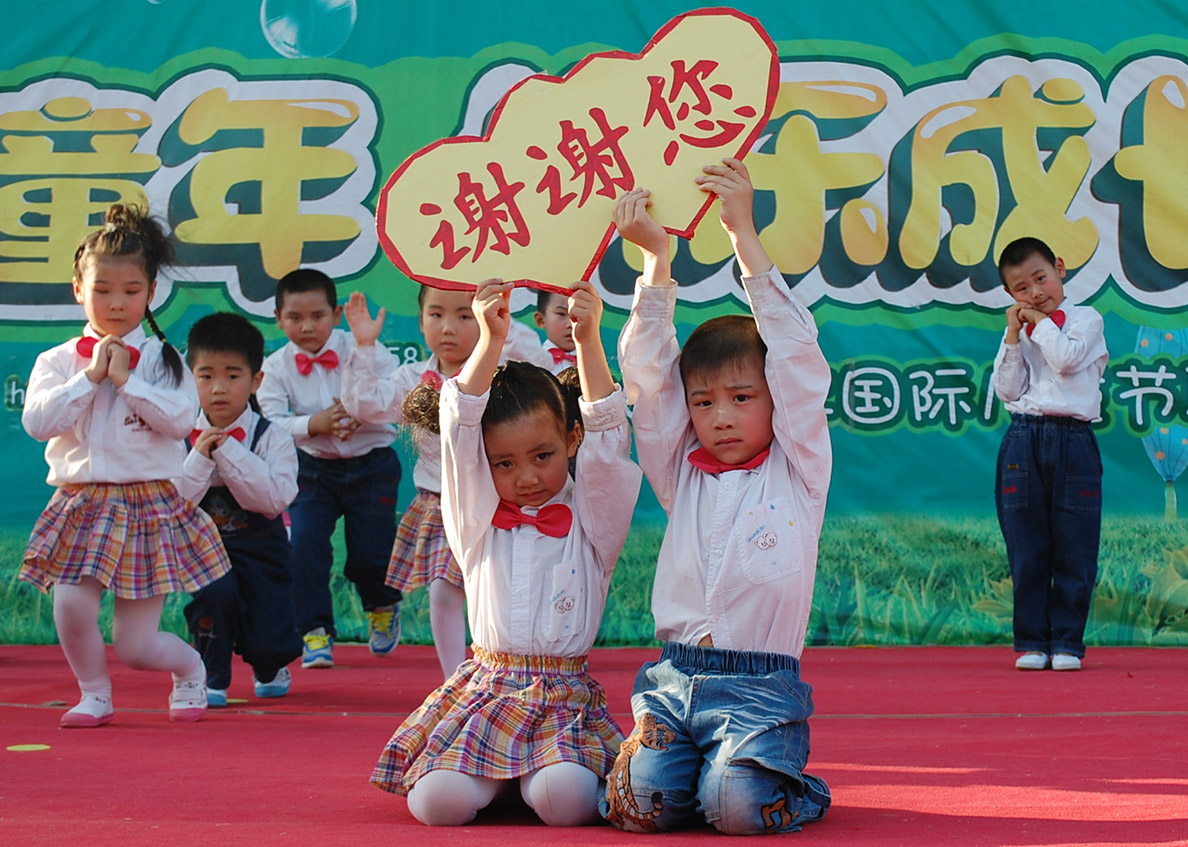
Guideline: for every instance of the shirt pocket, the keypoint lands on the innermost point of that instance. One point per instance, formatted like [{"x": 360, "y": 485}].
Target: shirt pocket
[
  {"x": 565, "y": 604},
  {"x": 768, "y": 541}
]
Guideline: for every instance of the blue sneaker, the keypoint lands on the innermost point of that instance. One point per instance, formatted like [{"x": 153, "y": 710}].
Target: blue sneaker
[
  {"x": 383, "y": 629},
  {"x": 278, "y": 686},
  {"x": 216, "y": 698},
  {"x": 318, "y": 651}
]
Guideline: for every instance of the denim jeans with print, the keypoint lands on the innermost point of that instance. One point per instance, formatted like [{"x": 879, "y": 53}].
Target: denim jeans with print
[
  {"x": 1048, "y": 493},
  {"x": 721, "y": 736}
]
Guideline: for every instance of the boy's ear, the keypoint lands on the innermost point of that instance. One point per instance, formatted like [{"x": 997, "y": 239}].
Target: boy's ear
[
  {"x": 536, "y": 316},
  {"x": 76, "y": 284},
  {"x": 277, "y": 314},
  {"x": 1060, "y": 267},
  {"x": 257, "y": 378},
  {"x": 337, "y": 314}
]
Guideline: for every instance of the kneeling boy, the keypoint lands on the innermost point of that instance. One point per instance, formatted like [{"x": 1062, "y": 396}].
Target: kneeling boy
[{"x": 732, "y": 434}]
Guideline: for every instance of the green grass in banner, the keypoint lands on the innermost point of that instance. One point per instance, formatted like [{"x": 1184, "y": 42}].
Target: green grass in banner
[{"x": 881, "y": 581}]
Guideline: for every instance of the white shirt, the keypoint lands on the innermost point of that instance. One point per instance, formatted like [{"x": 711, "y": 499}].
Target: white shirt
[
  {"x": 289, "y": 400},
  {"x": 739, "y": 555},
  {"x": 100, "y": 433},
  {"x": 373, "y": 390},
  {"x": 1056, "y": 370},
  {"x": 374, "y": 387},
  {"x": 528, "y": 593},
  {"x": 263, "y": 481}
]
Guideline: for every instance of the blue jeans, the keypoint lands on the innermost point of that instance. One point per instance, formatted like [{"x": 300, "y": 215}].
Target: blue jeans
[
  {"x": 720, "y": 736},
  {"x": 1048, "y": 494},
  {"x": 363, "y": 491}
]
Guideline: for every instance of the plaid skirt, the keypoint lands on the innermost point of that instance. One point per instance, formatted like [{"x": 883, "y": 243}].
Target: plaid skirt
[
  {"x": 421, "y": 553},
  {"x": 139, "y": 539},
  {"x": 503, "y": 716}
]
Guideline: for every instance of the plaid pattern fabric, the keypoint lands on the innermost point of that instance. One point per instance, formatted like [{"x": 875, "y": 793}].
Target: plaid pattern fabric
[
  {"x": 421, "y": 553},
  {"x": 503, "y": 716},
  {"x": 138, "y": 539}
]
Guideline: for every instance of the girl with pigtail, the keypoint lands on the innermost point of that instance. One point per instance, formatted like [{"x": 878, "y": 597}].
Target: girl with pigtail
[{"x": 113, "y": 406}]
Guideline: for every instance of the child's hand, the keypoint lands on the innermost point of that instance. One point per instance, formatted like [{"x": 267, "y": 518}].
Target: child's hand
[
  {"x": 365, "y": 328},
  {"x": 492, "y": 307},
  {"x": 585, "y": 310},
  {"x": 1031, "y": 315},
  {"x": 100, "y": 358},
  {"x": 731, "y": 182},
  {"x": 119, "y": 361},
  {"x": 635, "y": 224},
  {"x": 211, "y": 438}
]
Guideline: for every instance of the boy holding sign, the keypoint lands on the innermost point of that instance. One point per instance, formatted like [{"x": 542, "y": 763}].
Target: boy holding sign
[{"x": 734, "y": 441}]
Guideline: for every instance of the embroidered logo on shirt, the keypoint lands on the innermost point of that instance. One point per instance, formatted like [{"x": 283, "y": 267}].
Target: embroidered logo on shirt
[
  {"x": 565, "y": 604},
  {"x": 137, "y": 423}
]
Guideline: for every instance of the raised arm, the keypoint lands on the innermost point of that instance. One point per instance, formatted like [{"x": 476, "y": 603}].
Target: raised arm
[
  {"x": 494, "y": 318},
  {"x": 730, "y": 182},
  {"x": 585, "y": 310}
]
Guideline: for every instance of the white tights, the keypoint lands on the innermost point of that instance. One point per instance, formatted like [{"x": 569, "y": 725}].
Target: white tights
[
  {"x": 447, "y": 621},
  {"x": 564, "y": 794},
  {"x": 138, "y": 642}
]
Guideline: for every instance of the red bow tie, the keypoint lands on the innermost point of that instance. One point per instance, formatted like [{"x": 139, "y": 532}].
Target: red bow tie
[
  {"x": 554, "y": 520},
  {"x": 560, "y": 356},
  {"x": 238, "y": 434},
  {"x": 432, "y": 378},
  {"x": 328, "y": 360},
  {"x": 1056, "y": 317},
  {"x": 86, "y": 348},
  {"x": 701, "y": 459}
]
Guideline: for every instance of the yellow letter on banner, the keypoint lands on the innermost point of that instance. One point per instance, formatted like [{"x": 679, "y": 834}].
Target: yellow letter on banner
[
  {"x": 1160, "y": 163},
  {"x": 1042, "y": 196},
  {"x": 279, "y": 165}
]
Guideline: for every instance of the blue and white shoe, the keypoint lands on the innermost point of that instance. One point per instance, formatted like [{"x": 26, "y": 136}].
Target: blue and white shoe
[
  {"x": 216, "y": 698},
  {"x": 383, "y": 629},
  {"x": 278, "y": 686},
  {"x": 318, "y": 651}
]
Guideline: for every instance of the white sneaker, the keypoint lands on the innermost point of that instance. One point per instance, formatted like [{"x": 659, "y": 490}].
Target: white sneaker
[
  {"x": 187, "y": 701},
  {"x": 92, "y": 710},
  {"x": 1066, "y": 662},
  {"x": 1032, "y": 661}
]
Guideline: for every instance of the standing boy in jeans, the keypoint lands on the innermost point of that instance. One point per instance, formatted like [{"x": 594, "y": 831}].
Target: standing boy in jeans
[
  {"x": 347, "y": 469},
  {"x": 1048, "y": 487}
]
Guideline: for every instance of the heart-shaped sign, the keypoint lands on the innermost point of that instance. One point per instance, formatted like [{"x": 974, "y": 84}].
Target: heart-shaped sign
[{"x": 530, "y": 202}]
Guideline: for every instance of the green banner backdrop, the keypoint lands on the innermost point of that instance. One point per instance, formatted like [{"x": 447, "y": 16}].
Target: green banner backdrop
[{"x": 908, "y": 143}]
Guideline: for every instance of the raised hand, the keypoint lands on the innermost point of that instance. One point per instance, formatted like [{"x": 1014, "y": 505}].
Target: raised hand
[
  {"x": 585, "y": 311},
  {"x": 492, "y": 307},
  {"x": 365, "y": 328},
  {"x": 635, "y": 224},
  {"x": 731, "y": 183}
]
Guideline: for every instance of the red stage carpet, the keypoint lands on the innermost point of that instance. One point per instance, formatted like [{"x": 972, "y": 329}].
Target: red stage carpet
[{"x": 921, "y": 746}]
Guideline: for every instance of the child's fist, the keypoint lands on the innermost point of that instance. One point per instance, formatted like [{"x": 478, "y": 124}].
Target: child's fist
[
  {"x": 731, "y": 183},
  {"x": 585, "y": 311},
  {"x": 635, "y": 224}
]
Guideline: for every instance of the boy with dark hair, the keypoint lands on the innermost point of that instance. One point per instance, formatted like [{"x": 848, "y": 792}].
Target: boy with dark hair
[
  {"x": 552, "y": 315},
  {"x": 1048, "y": 485},
  {"x": 347, "y": 469},
  {"x": 734, "y": 441},
  {"x": 243, "y": 473}
]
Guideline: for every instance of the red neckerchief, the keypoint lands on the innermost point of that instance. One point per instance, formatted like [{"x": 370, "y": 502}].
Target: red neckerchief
[
  {"x": 1056, "y": 317},
  {"x": 701, "y": 459},
  {"x": 238, "y": 434},
  {"x": 86, "y": 348},
  {"x": 554, "y": 520},
  {"x": 305, "y": 363}
]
